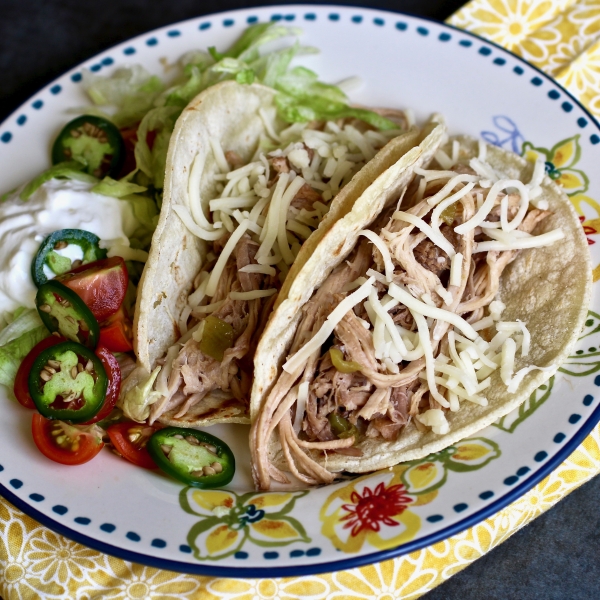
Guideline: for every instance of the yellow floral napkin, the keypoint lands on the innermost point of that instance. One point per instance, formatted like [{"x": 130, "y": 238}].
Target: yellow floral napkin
[{"x": 561, "y": 37}]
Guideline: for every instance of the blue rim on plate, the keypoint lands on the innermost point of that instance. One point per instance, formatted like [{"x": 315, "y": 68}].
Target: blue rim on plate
[{"x": 227, "y": 19}]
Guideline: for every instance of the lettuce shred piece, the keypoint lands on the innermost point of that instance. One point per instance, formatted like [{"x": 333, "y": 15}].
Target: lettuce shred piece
[
  {"x": 136, "y": 402},
  {"x": 24, "y": 329},
  {"x": 133, "y": 90},
  {"x": 64, "y": 170},
  {"x": 303, "y": 98},
  {"x": 140, "y": 97},
  {"x": 152, "y": 161},
  {"x": 146, "y": 213},
  {"x": 117, "y": 189}
]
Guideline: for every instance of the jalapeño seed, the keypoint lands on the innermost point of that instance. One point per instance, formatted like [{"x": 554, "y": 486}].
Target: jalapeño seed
[
  {"x": 56, "y": 333},
  {"x": 217, "y": 466},
  {"x": 199, "y": 473},
  {"x": 54, "y": 363},
  {"x": 89, "y": 366},
  {"x": 75, "y": 133},
  {"x": 83, "y": 325},
  {"x": 133, "y": 437},
  {"x": 70, "y": 319},
  {"x": 190, "y": 439},
  {"x": 212, "y": 449},
  {"x": 178, "y": 437},
  {"x": 76, "y": 263},
  {"x": 45, "y": 376},
  {"x": 79, "y": 368},
  {"x": 209, "y": 471},
  {"x": 60, "y": 245},
  {"x": 73, "y": 372},
  {"x": 50, "y": 369},
  {"x": 46, "y": 308},
  {"x": 166, "y": 449}
]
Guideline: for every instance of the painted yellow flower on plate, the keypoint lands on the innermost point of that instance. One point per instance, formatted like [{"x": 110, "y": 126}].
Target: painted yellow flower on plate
[{"x": 228, "y": 520}]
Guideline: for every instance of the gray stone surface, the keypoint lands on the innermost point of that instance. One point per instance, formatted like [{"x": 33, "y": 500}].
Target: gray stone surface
[{"x": 556, "y": 557}]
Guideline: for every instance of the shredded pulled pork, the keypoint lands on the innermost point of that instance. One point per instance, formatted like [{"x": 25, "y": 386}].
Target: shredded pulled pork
[
  {"x": 379, "y": 399},
  {"x": 193, "y": 374}
]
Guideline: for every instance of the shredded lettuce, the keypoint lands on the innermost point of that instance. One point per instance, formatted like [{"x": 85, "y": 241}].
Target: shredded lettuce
[
  {"x": 139, "y": 96},
  {"x": 20, "y": 322},
  {"x": 117, "y": 189},
  {"x": 63, "y": 170},
  {"x": 304, "y": 98},
  {"x": 23, "y": 332},
  {"x": 152, "y": 161},
  {"x": 136, "y": 402},
  {"x": 132, "y": 89},
  {"x": 4, "y": 197}
]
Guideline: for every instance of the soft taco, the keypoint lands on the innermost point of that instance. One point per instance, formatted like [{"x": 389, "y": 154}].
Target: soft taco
[
  {"x": 419, "y": 327},
  {"x": 247, "y": 199}
]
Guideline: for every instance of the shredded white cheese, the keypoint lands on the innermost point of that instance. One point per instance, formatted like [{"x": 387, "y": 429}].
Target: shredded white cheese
[
  {"x": 298, "y": 360},
  {"x": 252, "y": 295}
]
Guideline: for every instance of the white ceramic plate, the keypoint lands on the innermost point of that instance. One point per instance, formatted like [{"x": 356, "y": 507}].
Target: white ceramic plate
[{"x": 144, "y": 517}]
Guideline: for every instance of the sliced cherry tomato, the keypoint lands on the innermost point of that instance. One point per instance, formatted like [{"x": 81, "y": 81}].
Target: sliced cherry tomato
[
  {"x": 129, "y": 135},
  {"x": 21, "y": 387},
  {"x": 116, "y": 333},
  {"x": 130, "y": 439},
  {"x": 64, "y": 443},
  {"x": 113, "y": 372},
  {"x": 101, "y": 284}
]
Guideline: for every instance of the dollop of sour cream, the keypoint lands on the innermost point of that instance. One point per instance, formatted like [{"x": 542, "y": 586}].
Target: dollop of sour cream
[{"x": 57, "y": 204}]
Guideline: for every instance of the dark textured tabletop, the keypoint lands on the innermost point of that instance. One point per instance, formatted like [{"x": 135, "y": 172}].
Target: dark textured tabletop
[{"x": 558, "y": 555}]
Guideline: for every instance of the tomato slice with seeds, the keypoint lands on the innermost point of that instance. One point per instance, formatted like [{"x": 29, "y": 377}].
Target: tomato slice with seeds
[
  {"x": 21, "y": 387},
  {"x": 130, "y": 439},
  {"x": 113, "y": 372},
  {"x": 101, "y": 284},
  {"x": 66, "y": 444},
  {"x": 116, "y": 332}
]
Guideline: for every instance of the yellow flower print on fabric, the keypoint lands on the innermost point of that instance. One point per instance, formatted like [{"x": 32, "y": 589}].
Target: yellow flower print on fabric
[
  {"x": 16, "y": 578},
  {"x": 560, "y": 160},
  {"x": 509, "y": 22},
  {"x": 53, "y": 558},
  {"x": 372, "y": 510},
  {"x": 582, "y": 78},
  {"x": 229, "y": 520},
  {"x": 122, "y": 580},
  {"x": 388, "y": 580},
  {"x": 315, "y": 588}
]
